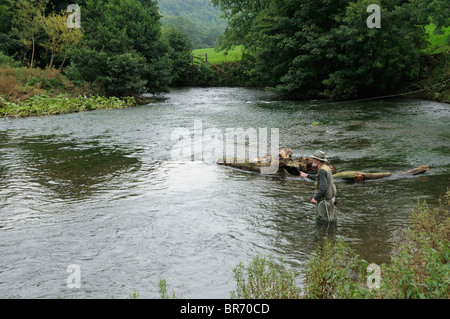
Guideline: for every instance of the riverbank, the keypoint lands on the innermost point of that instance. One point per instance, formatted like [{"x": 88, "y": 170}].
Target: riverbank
[
  {"x": 432, "y": 82},
  {"x": 44, "y": 105},
  {"x": 36, "y": 92}
]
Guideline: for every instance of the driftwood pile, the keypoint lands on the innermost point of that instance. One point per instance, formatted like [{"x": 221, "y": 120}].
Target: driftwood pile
[{"x": 293, "y": 166}]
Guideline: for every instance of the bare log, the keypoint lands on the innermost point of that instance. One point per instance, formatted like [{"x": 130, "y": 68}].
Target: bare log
[
  {"x": 360, "y": 176},
  {"x": 418, "y": 170},
  {"x": 243, "y": 164}
]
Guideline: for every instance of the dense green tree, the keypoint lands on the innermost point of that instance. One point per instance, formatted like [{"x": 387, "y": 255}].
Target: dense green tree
[
  {"x": 180, "y": 54},
  {"x": 438, "y": 11},
  {"x": 375, "y": 61},
  {"x": 59, "y": 36},
  {"x": 311, "y": 48},
  {"x": 8, "y": 44},
  {"x": 122, "y": 50},
  {"x": 27, "y": 24},
  {"x": 59, "y": 5}
]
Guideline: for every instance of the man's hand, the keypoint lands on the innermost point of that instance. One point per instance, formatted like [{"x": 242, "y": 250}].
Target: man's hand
[
  {"x": 303, "y": 175},
  {"x": 313, "y": 201}
]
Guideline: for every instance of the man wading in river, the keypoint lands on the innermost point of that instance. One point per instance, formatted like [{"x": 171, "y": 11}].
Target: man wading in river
[{"x": 325, "y": 198}]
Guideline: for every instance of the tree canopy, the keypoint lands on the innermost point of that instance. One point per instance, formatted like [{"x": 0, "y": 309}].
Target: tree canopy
[
  {"x": 122, "y": 49},
  {"x": 313, "y": 48}
]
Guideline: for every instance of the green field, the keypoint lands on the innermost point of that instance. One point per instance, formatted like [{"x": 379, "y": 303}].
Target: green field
[{"x": 215, "y": 57}]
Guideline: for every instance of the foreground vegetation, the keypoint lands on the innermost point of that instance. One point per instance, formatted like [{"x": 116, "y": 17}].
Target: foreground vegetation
[{"x": 419, "y": 267}]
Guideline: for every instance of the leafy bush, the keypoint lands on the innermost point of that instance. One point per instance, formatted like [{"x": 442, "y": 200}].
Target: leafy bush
[
  {"x": 206, "y": 75},
  {"x": 333, "y": 272},
  {"x": 420, "y": 269},
  {"x": 265, "y": 279},
  {"x": 7, "y": 60},
  {"x": 180, "y": 55},
  {"x": 121, "y": 51}
]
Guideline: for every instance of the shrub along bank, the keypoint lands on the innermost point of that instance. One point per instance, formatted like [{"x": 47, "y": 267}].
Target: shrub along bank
[
  {"x": 37, "y": 92},
  {"x": 42, "y": 105}
]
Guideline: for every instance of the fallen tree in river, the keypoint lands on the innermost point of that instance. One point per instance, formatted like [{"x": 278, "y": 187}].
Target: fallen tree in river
[
  {"x": 294, "y": 166},
  {"x": 360, "y": 176}
]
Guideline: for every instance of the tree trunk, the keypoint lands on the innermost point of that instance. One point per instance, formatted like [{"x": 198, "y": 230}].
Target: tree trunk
[
  {"x": 51, "y": 59},
  {"x": 61, "y": 66},
  {"x": 32, "y": 52},
  {"x": 360, "y": 176}
]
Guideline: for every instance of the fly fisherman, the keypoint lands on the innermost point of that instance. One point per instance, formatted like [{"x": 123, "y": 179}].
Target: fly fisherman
[{"x": 325, "y": 197}]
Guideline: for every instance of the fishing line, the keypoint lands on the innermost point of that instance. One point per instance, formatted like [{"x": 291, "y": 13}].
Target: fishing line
[{"x": 383, "y": 97}]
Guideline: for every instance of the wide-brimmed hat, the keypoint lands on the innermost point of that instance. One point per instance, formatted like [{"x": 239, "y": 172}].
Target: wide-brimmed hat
[{"x": 319, "y": 155}]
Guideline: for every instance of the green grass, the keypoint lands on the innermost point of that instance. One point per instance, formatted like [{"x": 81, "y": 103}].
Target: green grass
[
  {"x": 438, "y": 42},
  {"x": 215, "y": 57}
]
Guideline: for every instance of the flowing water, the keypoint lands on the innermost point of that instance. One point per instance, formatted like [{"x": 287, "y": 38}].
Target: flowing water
[{"x": 101, "y": 190}]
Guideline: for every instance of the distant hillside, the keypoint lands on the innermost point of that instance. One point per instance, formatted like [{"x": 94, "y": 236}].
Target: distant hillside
[{"x": 198, "y": 18}]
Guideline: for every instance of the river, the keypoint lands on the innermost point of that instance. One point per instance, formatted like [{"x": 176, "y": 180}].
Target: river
[{"x": 100, "y": 190}]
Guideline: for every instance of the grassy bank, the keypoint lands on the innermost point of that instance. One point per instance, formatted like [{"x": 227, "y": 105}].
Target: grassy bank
[
  {"x": 45, "y": 105},
  {"x": 37, "y": 92},
  {"x": 419, "y": 267}
]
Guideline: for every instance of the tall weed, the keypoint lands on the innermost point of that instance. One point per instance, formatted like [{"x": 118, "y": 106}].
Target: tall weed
[
  {"x": 265, "y": 279},
  {"x": 19, "y": 84}
]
